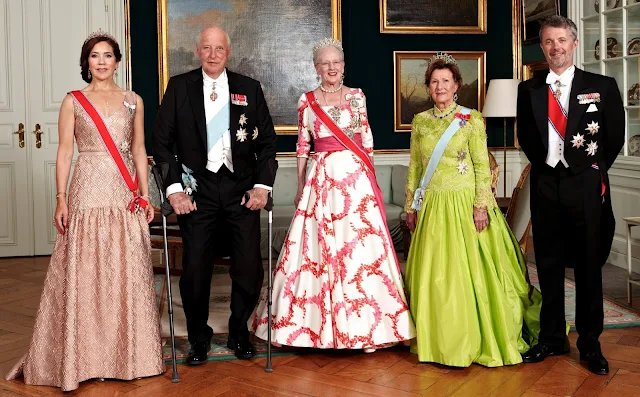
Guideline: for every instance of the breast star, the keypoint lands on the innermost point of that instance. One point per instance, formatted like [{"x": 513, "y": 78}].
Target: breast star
[
  {"x": 578, "y": 140},
  {"x": 592, "y": 127},
  {"x": 243, "y": 119},
  {"x": 463, "y": 167},
  {"x": 241, "y": 135},
  {"x": 592, "y": 148}
]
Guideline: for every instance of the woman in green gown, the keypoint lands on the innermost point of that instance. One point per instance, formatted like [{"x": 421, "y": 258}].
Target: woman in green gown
[{"x": 466, "y": 276}]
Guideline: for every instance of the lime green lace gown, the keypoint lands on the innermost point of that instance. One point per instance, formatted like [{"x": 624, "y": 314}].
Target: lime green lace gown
[{"x": 468, "y": 292}]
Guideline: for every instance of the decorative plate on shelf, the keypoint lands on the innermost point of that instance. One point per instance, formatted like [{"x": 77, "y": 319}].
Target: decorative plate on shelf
[
  {"x": 633, "y": 95},
  {"x": 612, "y": 48},
  {"x": 633, "y": 46},
  {"x": 634, "y": 145},
  {"x": 608, "y": 5}
]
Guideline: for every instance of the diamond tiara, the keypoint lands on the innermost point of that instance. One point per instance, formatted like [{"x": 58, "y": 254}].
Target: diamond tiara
[
  {"x": 326, "y": 42},
  {"x": 444, "y": 56},
  {"x": 99, "y": 33}
]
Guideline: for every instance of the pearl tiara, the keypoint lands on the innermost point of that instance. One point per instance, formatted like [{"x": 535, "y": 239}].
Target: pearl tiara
[
  {"x": 325, "y": 43},
  {"x": 443, "y": 56},
  {"x": 99, "y": 33}
]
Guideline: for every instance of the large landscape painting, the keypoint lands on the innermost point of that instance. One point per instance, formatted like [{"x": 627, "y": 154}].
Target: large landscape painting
[
  {"x": 271, "y": 41},
  {"x": 411, "y": 91}
]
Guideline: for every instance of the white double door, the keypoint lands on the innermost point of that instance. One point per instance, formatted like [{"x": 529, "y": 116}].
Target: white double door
[{"x": 40, "y": 43}]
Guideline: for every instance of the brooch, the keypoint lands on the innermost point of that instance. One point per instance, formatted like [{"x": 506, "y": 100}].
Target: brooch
[
  {"x": 239, "y": 99},
  {"x": 588, "y": 98},
  {"x": 463, "y": 118},
  {"x": 131, "y": 108},
  {"x": 190, "y": 184}
]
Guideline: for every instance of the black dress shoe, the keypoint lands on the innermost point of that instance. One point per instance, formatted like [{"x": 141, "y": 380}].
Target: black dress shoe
[
  {"x": 541, "y": 351},
  {"x": 198, "y": 353},
  {"x": 596, "y": 362},
  {"x": 242, "y": 348}
]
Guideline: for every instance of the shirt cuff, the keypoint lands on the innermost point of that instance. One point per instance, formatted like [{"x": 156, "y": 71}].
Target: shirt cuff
[
  {"x": 174, "y": 188},
  {"x": 263, "y": 187}
]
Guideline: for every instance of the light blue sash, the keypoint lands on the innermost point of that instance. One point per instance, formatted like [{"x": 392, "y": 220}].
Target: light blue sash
[{"x": 435, "y": 158}]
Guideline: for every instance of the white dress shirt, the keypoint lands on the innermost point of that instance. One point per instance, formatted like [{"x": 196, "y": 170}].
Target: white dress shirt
[
  {"x": 555, "y": 151},
  {"x": 220, "y": 153}
]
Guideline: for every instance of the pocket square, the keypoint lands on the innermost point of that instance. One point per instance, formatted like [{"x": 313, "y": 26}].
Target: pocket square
[{"x": 592, "y": 108}]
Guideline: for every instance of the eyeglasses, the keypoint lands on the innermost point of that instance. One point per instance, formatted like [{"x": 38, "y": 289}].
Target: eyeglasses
[{"x": 325, "y": 65}]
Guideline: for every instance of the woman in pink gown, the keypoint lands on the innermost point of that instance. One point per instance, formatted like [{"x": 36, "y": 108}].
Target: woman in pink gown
[
  {"x": 337, "y": 283},
  {"x": 98, "y": 316}
]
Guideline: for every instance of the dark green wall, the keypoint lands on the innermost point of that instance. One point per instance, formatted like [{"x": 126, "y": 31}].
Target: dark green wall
[{"x": 369, "y": 62}]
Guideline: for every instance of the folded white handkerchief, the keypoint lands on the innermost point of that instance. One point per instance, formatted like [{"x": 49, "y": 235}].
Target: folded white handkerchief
[{"x": 592, "y": 108}]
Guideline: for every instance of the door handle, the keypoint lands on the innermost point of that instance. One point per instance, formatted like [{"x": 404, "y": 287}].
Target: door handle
[
  {"x": 38, "y": 133},
  {"x": 20, "y": 134}
]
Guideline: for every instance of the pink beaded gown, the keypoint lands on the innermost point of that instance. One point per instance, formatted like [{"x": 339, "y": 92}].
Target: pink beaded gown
[{"x": 98, "y": 316}]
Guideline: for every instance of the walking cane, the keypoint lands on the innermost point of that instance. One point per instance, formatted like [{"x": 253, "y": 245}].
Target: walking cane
[
  {"x": 273, "y": 167},
  {"x": 160, "y": 171}
]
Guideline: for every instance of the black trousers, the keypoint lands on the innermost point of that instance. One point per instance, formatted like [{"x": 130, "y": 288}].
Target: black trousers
[
  {"x": 220, "y": 223},
  {"x": 567, "y": 212}
]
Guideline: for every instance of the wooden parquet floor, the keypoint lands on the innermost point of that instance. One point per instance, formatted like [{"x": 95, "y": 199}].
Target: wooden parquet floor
[{"x": 392, "y": 372}]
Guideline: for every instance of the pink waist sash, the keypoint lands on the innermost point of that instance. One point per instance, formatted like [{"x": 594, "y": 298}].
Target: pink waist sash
[{"x": 331, "y": 144}]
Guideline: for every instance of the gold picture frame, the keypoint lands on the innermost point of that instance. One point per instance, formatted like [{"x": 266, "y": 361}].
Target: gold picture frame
[
  {"x": 531, "y": 18},
  {"x": 530, "y": 68},
  {"x": 256, "y": 52},
  {"x": 410, "y": 92},
  {"x": 394, "y": 19}
]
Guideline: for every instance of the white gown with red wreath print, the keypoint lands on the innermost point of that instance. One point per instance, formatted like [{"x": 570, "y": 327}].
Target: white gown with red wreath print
[{"x": 337, "y": 283}]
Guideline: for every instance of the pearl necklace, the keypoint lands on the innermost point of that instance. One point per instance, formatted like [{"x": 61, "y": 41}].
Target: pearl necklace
[
  {"x": 433, "y": 110},
  {"x": 330, "y": 91}
]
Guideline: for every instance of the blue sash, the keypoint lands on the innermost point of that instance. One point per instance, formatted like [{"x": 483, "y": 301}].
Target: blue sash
[{"x": 435, "y": 158}]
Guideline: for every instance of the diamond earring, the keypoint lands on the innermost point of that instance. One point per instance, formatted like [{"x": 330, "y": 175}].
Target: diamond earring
[
  {"x": 455, "y": 96},
  {"x": 89, "y": 75}
]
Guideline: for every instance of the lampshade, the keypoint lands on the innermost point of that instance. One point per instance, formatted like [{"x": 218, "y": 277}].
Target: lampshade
[{"x": 502, "y": 98}]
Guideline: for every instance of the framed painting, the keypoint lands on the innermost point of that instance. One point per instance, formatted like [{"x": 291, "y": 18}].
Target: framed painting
[
  {"x": 433, "y": 16},
  {"x": 410, "y": 90},
  {"x": 530, "y": 69},
  {"x": 533, "y": 12},
  {"x": 271, "y": 41}
]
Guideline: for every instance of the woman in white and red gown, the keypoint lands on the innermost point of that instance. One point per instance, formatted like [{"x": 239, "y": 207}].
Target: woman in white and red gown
[{"x": 337, "y": 283}]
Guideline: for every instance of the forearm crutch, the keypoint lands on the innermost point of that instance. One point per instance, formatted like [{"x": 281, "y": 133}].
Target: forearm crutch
[
  {"x": 269, "y": 208},
  {"x": 159, "y": 173}
]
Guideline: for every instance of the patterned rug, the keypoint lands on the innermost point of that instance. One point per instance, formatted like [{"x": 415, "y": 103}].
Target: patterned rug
[{"x": 615, "y": 316}]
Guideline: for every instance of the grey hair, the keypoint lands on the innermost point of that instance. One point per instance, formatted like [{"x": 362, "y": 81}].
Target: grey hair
[
  {"x": 198, "y": 37},
  {"x": 558, "y": 21}
]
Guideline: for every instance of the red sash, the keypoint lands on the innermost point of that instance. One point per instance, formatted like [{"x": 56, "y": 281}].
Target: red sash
[
  {"x": 132, "y": 183},
  {"x": 557, "y": 115},
  {"x": 355, "y": 149}
]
